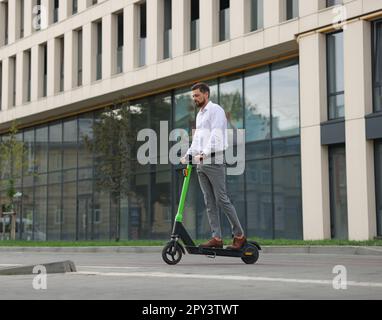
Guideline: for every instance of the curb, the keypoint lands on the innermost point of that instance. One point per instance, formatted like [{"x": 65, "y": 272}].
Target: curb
[
  {"x": 54, "y": 267},
  {"x": 344, "y": 250}
]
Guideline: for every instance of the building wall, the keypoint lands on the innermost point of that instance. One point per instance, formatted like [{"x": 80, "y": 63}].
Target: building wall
[{"x": 304, "y": 36}]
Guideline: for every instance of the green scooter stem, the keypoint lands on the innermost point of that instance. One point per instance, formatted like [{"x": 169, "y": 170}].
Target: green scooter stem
[{"x": 186, "y": 183}]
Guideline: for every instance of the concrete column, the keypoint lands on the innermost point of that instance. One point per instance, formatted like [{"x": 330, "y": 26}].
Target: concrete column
[
  {"x": 131, "y": 26},
  {"x": 5, "y": 82},
  {"x": 13, "y": 21},
  {"x": 36, "y": 70},
  {"x": 155, "y": 30},
  {"x": 209, "y": 23},
  {"x": 359, "y": 151},
  {"x": 65, "y": 9},
  {"x": 181, "y": 17},
  {"x": 20, "y": 81},
  {"x": 70, "y": 59},
  {"x": 88, "y": 54},
  {"x": 314, "y": 157},
  {"x": 28, "y": 15},
  {"x": 46, "y": 13},
  {"x": 109, "y": 51},
  {"x": 238, "y": 26},
  {"x": 271, "y": 13}
]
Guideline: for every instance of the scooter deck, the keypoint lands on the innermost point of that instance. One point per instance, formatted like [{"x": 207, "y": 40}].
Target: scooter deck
[{"x": 214, "y": 252}]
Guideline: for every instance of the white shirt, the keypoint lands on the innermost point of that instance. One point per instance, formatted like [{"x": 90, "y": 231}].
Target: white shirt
[{"x": 211, "y": 131}]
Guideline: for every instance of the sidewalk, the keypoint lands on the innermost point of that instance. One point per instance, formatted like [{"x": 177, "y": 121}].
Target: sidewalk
[{"x": 344, "y": 250}]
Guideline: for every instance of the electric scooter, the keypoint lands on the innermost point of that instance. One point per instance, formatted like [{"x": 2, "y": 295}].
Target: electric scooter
[{"x": 173, "y": 251}]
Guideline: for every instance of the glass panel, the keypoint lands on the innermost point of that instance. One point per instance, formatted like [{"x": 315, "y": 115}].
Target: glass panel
[
  {"x": 139, "y": 218},
  {"x": 378, "y": 184},
  {"x": 142, "y": 52},
  {"x": 338, "y": 193},
  {"x": 335, "y": 71},
  {"x": 231, "y": 100},
  {"x": 101, "y": 216},
  {"x": 39, "y": 232},
  {"x": 55, "y": 147},
  {"x": 337, "y": 106},
  {"x": 70, "y": 144},
  {"x": 27, "y": 213},
  {"x": 120, "y": 43},
  {"x": 259, "y": 199},
  {"x": 85, "y": 131},
  {"x": 257, "y": 14},
  {"x": 167, "y": 44},
  {"x": 161, "y": 203},
  {"x": 79, "y": 58},
  {"x": 54, "y": 212},
  {"x": 224, "y": 24},
  {"x": 69, "y": 207},
  {"x": 85, "y": 204},
  {"x": 257, "y": 105},
  {"x": 285, "y": 100},
  {"x": 378, "y": 67},
  {"x": 292, "y": 9},
  {"x": 184, "y": 110},
  {"x": 287, "y": 198},
  {"x": 195, "y": 38},
  {"x": 258, "y": 150},
  {"x": 287, "y": 146}
]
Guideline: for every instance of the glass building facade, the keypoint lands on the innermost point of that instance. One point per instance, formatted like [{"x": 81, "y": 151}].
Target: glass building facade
[{"x": 62, "y": 201}]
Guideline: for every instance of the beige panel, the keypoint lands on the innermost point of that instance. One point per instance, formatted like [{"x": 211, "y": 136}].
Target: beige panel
[
  {"x": 359, "y": 151},
  {"x": 314, "y": 157}
]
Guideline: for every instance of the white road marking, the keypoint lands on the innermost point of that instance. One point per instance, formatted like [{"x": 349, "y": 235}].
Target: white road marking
[
  {"x": 10, "y": 265},
  {"x": 223, "y": 277},
  {"x": 111, "y": 267}
]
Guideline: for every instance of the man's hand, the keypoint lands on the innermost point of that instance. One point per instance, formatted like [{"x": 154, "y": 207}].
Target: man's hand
[
  {"x": 184, "y": 160},
  {"x": 199, "y": 158}
]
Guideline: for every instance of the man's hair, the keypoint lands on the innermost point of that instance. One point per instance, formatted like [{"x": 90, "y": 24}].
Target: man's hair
[{"x": 203, "y": 88}]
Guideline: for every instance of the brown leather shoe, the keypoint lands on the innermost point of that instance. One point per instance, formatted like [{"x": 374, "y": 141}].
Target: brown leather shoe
[
  {"x": 213, "y": 243},
  {"x": 238, "y": 243}
]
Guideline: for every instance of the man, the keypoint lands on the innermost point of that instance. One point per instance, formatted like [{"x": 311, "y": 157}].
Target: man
[{"x": 208, "y": 145}]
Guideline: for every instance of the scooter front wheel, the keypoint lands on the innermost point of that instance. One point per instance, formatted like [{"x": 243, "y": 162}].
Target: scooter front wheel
[
  {"x": 172, "y": 253},
  {"x": 250, "y": 254}
]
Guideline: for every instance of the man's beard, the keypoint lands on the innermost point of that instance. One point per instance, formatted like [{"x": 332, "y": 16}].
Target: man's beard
[{"x": 200, "y": 104}]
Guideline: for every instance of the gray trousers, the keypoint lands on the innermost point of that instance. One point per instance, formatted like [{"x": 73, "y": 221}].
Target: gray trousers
[{"x": 212, "y": 180}]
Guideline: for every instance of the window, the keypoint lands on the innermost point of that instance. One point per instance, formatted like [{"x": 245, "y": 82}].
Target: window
[
  {"x": 12, "y": 81},
  {"x": 291, "y": 9},
  {"x": 330, "y": 3},
  {"x": 74, "y": 6},
  {"x": 167, "y": 29},
  {"x": 79, "y": 57},
  {"x": 21, "y": 18},
  {"x": 195, "y": 15},
  {"x": 335, "y": 74},
  {"x": 6, "y": 19},
  {"x": 338, "y": 192},
  {"x": 61, "y": 63},
  {"x": 44, "y": 52},
  {"x": 224, "y": 21},
  {"x": 55, "y": 10},
  {"x": 98, "y": 50},
  {"x": 119, "y": 42},
  {"x": 377, "y": 68},
  {"x": 257, "y": 14},
  {"x": 27, "y": 76},
  {"x": 142, "y": 34}
]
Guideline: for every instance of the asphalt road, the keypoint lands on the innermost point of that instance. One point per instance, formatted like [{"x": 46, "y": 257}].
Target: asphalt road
[{"x": 144, "y": 276}]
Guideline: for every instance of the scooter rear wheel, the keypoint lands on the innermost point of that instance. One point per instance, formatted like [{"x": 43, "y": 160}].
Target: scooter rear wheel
[
  {"x": 250, "y": 254},
  {"x": 172, "y": 253}
]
